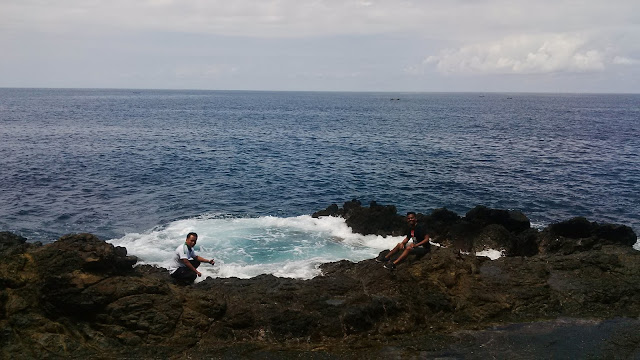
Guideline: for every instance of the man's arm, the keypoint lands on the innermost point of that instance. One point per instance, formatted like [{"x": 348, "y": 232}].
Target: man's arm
[
  {"x": 201, "y": 259},
  {"x": 404, "y": 242},
  {"x": 190, "y": 267}
]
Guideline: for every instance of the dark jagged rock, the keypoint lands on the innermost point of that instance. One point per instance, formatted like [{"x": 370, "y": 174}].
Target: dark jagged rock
[
  {"x": 513, "y": 221},
  {"x": 575, "y": 228},
  {"x": 376, "y": 219},
  {"x": 12, "y": 242},
  {"x": 482, "y": 228},
  {"x": 81, "y": 298},
  {"x": 439, "y": 221},
  {"x": 331, "y": 210},
  {"x": 579, "y": 234},
  {"x": 9, "y": 240}
]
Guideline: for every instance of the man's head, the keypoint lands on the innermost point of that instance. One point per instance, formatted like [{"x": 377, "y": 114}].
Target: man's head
[
  {"x": 412, "y": 220},
  {"x": 192, "y": 238}
]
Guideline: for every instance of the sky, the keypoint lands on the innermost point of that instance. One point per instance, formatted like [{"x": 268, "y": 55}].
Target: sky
[{"x": 553, "y": 46}]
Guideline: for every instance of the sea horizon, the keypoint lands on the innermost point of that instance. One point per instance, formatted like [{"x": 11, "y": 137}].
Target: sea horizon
[{"x": 328, "y": 91}]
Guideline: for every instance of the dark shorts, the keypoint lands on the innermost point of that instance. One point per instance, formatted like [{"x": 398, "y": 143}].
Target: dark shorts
[
  {"x": 420, "y": 251},
  {"x": 185, "y": 274}
]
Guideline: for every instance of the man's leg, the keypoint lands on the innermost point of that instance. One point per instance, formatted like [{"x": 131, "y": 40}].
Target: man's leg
[
  {"x": 393, "y": 251},
  {"x": 184, "y": 274},
  {"x": 391, "y": 265},
  {"x": 402, "y": 256},
  {"x": 418, "y": 251}
]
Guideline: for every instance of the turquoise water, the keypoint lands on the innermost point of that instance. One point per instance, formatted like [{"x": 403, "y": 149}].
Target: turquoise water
[{"x": 246, "y": 247}]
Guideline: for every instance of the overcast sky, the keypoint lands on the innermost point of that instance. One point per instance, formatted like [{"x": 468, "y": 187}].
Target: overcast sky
[{"x": 328, "y": 45}]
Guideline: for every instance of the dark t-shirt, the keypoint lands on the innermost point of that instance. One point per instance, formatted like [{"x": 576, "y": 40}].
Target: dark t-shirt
[{"x": 419, "y": 233}]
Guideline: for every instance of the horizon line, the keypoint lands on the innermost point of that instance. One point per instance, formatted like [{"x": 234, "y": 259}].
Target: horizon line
[{"x": 326, "y": 91}]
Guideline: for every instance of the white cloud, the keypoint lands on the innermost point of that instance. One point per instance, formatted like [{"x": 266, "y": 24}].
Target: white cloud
[
  {"x": 456, "y": 19},
  {"x": 525, "y": 54},
  {"x": 257, "y": 18},
  {"x": 331, "y": 44},
  {"x": 622, "y": 60}
]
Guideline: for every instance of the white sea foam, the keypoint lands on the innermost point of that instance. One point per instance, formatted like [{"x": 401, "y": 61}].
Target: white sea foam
[
  {"x": 538, "y": 225},
  {"x": 637, "y": 245},
  {"x": 246, "y": 247},
  {"x": 491, "y": 254}
]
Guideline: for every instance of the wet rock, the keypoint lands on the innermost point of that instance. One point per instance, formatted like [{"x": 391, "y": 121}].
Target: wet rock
[
  {"x": 81, "y": 298},
  {"x": 439, "y": 221},
  {"x": 575, "y": 228},
  {"x": 376, "y": 219},
  {"x": 11, "y": 244},
  {"x": 513, "y": 221},
  {"x": 579, "y": 234},
  {"x": 480, "y": 229},
  {"x": 331, "y": 210},
  {"x": 10, "y": 240}
]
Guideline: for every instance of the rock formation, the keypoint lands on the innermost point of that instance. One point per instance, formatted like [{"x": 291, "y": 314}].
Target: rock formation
[{"x": 80, "y": 297}]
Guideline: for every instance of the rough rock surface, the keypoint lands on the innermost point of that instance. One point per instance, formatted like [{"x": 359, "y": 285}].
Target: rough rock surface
[{"x": 576, "y": 297}]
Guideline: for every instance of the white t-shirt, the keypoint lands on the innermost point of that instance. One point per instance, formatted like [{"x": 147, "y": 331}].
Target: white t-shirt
[{"x": 182, "y": 252}]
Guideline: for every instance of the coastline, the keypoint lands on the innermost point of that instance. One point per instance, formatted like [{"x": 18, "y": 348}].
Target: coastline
[{"x": 82, "y": 297}]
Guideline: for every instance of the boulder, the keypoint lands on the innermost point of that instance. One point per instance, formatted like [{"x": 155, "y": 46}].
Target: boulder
[
  {"x": 10, "y": 240},
  {"x": 512, "y": 220},
  {"x": 579, "y": 234},
  {"x": 439, "y": 221},
  {"x": 576, "y": 228},
  {"x": 376, "y": 219},
  {"x": 331, "y": 210}
]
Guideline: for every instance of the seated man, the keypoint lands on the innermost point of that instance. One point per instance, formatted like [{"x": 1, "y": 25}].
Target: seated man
[
  {"x": 186, "y": 262},
  {"x": 419, "y": 246}
]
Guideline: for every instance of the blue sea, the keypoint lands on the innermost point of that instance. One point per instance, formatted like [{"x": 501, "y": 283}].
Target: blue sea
[{"x": 141, "y": 168}]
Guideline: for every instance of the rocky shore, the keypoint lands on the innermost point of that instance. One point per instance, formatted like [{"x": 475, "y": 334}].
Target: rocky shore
[{"x": 571, "y": 290}]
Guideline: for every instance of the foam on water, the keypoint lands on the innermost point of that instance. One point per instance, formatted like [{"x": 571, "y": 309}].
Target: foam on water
[
  {"x": 491, "y": 254},
  {"x": 246, "y": 247}
]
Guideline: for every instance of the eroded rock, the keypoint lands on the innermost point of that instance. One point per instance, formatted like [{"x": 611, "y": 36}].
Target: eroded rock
[{"x": 81, "y": 297}]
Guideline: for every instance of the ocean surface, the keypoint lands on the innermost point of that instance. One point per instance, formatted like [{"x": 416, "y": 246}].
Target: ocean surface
[{"x": 141, "y": 168}]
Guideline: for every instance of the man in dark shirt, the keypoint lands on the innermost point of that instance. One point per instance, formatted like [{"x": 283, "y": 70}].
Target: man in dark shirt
[{"x": 419, "y": 243}]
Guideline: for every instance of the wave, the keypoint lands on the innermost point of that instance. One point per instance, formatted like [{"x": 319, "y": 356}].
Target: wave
[
  {"x": 246, "y": 247},
  {"x": 293, "y": 247}
]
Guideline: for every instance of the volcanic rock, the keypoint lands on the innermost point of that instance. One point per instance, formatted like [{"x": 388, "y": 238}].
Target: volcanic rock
[{"x": 80, "y": 297}]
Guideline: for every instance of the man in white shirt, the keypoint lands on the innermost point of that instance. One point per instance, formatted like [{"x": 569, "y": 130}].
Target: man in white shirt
[{"x": 186, "y": 261}]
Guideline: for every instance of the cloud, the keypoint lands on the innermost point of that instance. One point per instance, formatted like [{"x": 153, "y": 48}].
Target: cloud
[
  {"x": 524, "y": 54},
  {"x": 459, "y": 19},
  {"x": 253, "y": 18},
  {"x": 330, "y": 44},
  {"x": 622, "y": 60}
]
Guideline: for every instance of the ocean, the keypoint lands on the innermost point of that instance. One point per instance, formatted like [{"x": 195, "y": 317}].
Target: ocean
[{"x": 141, "y": 168}]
